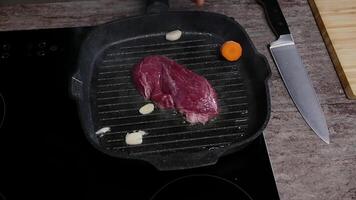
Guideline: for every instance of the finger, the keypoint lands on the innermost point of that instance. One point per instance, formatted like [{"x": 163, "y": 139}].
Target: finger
[{"x": 199, "y": 2}]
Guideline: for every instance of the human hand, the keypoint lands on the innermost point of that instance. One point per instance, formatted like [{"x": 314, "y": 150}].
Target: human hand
[{"x": 199, "y": 2}]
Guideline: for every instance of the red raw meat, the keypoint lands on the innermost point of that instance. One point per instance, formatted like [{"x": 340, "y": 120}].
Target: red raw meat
[{"x": 170, "y": 85}]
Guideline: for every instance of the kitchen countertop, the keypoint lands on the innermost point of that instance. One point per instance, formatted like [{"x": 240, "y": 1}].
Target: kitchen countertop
[{"x": 305, "y": 168}]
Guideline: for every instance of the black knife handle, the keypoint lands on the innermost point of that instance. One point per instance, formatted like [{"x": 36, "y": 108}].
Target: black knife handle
[{"x": 275, "y": 17}]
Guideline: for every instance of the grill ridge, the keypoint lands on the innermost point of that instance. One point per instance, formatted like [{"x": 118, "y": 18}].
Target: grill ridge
[{"x": 116, "y": 101}]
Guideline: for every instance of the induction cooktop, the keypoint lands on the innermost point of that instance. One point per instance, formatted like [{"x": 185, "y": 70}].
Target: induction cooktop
[{"x": 45, "y": 155}]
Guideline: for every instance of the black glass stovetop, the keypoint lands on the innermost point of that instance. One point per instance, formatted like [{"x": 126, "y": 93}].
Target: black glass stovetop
[{"x": 44, "y": 153}]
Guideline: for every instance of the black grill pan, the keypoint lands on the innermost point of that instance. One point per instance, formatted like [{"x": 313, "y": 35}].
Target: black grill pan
[{"x": 108, "y": 98}]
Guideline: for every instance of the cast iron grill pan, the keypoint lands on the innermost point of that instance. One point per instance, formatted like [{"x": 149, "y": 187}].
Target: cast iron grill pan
[
  {"x": 109, "y": 98},
  {"x": 117, "y": 101}
]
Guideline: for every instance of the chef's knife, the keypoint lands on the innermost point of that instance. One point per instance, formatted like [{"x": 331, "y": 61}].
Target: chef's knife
[{"x": 292, "y": 70}]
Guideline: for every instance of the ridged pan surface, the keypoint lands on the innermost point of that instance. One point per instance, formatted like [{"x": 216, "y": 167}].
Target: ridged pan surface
[{"x": 171, "y": 142}]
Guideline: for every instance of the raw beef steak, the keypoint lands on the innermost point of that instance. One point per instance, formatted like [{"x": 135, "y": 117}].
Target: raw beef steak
[{"x": 170, "y": 85}]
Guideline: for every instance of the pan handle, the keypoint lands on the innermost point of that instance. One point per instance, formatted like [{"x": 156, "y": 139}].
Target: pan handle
[
  {"x": 180, "y": 161},
  {"x": 156, "y": 6}
]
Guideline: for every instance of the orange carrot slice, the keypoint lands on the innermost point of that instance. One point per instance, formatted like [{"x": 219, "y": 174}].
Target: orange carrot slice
[{"x": 231, "y": 50}]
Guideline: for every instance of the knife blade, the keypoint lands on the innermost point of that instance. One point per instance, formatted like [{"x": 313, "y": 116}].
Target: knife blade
[{"x": 293, "y": 72}]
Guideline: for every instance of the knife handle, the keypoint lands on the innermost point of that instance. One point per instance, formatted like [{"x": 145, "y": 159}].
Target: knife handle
[{"x": 275, "y": 17}]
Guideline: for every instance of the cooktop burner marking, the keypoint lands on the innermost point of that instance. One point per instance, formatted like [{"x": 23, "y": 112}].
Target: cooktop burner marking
[
  {"x": 2, "y": 111},
  {"x": 2, "y": 197},
  {"x": 201, "y": 187}
]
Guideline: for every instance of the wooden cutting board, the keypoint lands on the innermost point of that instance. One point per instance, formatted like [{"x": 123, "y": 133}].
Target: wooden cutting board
[{"x": 337, "y": 22}]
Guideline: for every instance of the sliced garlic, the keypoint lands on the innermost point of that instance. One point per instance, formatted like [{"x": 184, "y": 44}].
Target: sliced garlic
[
  {"x": 103, "y": 130},
  {"x": 173, "y": 35},
  {"x": 147, "y": 109},
  {"x": 135, "y": 137}
]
